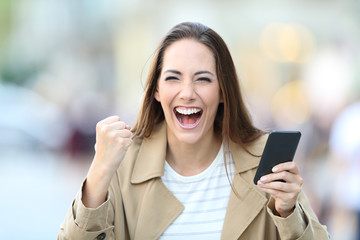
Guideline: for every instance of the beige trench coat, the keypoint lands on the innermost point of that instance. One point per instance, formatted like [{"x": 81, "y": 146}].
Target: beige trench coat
[{"x": 139, "y": 206}]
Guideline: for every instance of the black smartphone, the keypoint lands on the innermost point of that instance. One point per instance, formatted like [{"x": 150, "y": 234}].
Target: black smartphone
[{"x": 280, "y": 147}]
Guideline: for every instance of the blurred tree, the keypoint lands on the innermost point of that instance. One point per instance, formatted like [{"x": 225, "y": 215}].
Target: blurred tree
[
  {"x": 5, "y": 24},
  {"x": 10, "y": 72}
]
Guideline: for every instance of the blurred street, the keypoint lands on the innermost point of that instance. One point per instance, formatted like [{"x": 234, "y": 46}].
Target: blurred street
[{"x": 65, "y": 65}]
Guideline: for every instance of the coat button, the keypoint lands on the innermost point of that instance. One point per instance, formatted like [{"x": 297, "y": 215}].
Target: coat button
[{"x": 101, "y": 236}]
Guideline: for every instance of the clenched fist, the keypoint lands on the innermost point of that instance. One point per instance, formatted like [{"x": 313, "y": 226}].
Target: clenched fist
[{"x": 113, "y": 138}]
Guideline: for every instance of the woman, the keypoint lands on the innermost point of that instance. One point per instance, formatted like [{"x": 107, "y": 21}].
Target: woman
[{"x": 185, "y": 170}]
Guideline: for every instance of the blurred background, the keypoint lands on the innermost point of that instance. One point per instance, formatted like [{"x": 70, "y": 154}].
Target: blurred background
[{"x": 65, "y": 65}]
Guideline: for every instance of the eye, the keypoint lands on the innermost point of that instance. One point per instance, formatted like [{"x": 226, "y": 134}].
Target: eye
[
  {"x": 171, "y": 78},
  {"x": 204, "y": 79}
]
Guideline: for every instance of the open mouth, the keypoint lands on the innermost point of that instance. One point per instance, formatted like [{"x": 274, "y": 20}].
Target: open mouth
[{"x": 188, "y": 117}]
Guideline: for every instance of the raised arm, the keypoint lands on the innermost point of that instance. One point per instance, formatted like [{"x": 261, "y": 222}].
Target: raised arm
[
  {"x": 91, "y": 215},
  {"x": 113, "y": 137}
]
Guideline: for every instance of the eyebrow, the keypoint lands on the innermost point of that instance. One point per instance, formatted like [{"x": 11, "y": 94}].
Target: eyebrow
[
  {"x": 173, "y": 71},
  {"x": 204, "y": 72},
  {"x": 197, "y": 73}
]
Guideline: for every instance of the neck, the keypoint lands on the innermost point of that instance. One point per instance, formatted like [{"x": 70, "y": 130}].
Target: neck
[{"x": 191, "y": 159}]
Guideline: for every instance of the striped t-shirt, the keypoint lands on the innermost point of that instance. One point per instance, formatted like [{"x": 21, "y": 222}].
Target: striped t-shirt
[{"x": 205, "y": 197}]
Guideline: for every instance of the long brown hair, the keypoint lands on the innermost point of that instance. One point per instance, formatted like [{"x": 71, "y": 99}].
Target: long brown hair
[{"x": 232, "y": 120}]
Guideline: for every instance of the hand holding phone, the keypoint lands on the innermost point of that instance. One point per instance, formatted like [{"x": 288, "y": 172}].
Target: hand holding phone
[{"x": 280, "y": 147}]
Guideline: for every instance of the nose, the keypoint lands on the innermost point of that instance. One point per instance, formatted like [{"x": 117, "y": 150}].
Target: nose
[{"x": 187, "y": 91}]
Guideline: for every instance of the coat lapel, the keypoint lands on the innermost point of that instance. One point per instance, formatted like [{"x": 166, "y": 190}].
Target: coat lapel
[
  {"x": 159, "y": 207},
  {"x": 247, "y": 203},
  {"x": 242, "y": 209}
]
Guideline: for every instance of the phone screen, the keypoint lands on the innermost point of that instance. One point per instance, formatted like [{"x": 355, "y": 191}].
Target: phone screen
[{"x": 280, "y": 147}]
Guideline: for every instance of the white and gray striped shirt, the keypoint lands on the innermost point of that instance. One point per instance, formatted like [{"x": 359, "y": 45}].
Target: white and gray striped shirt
[{"x": 205, "y": 197}]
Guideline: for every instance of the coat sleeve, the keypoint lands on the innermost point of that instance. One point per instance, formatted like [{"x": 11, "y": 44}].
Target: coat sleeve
[
  {"x": 301, "y": 224},
  {"x": 93, "y": 223}
]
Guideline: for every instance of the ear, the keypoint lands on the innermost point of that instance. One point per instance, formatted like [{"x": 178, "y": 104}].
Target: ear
[{"x": 157, "y": 95}]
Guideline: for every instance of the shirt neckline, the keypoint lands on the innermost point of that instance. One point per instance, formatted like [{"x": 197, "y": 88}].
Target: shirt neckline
[{"x": 218, "y": 159}]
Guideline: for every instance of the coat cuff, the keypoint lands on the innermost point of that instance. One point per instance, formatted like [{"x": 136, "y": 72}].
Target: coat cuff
[
  {"x": 291, "y": 227},
  {"x": 90, "y": 219}
]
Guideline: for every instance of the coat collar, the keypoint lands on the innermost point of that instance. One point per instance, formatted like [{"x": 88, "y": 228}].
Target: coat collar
[
  {"x": 151, "y": 157},
  {"x": 245, "y": 161}
]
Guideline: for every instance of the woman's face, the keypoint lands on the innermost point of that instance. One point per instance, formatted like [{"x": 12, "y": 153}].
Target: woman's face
[{"x": 188, "y": 91}]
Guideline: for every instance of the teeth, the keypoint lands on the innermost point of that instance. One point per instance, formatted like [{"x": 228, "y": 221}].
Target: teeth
[{"x": 188, "y": 111}]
